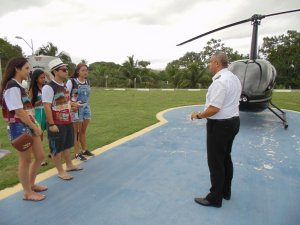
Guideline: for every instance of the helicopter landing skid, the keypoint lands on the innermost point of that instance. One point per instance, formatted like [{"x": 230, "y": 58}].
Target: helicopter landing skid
[{"x": 281, "y": 116}]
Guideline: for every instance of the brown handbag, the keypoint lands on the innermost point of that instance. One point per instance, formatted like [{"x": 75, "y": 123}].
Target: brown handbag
[{"x": 23, "y": 142}]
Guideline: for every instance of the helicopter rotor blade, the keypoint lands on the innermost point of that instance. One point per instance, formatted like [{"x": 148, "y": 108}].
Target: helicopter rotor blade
[
  {"x": 274, "y": 14},
  {"x": 253, "y": 18},
  {"x": 215, "y": 30}
]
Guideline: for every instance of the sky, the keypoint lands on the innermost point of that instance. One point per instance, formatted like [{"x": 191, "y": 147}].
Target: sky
[{"x": 112, "y": 30}]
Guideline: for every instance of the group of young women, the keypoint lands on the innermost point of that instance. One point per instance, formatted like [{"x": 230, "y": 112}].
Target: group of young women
[{"x": 24, "y": 112}]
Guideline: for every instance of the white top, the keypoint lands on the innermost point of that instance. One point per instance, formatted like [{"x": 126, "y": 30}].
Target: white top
[
  {"x": 69, "y": 84},
  {"x": 224, "y": 93},
  {"x": 12, "y": 98},
  {"x": 48, "y": 93}
]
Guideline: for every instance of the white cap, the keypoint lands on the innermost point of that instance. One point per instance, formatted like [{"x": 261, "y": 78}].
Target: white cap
[{"x": 55, "y": 63}]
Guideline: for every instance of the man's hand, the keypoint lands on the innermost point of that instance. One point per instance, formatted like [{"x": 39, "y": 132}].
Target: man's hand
[
  {"x": 75, "y": 106},
  {"x": 194, "y": 115},
  {"x": 53, "y": 128}
]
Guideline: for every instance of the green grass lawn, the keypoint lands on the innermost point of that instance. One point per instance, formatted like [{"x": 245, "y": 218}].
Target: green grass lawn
[{"x": 116, "y": 114}]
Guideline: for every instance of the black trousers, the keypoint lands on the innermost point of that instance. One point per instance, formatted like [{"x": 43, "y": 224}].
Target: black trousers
[{"x": 220, "y": 136}]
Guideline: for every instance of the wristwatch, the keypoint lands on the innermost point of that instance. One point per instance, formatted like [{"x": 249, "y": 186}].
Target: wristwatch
[{"x": 199, "y": 116}]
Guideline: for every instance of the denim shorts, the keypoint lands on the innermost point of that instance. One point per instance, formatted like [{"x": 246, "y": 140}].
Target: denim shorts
[
  {"x": 83, "y": 113},
  {"x": 18, "y": 128}
]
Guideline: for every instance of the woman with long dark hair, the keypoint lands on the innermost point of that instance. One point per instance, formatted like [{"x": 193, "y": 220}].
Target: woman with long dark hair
[
  {"x": 17, "y": 111},
  {"x": 37, "y": 82},
  {"x": 79, "y": 88}
]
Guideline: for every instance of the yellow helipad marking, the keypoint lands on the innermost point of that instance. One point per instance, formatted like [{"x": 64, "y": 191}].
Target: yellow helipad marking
[{"x": 49, "y": 173}]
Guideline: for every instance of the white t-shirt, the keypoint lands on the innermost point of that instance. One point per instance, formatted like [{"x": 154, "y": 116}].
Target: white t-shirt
[
  {"x": 69, "y": 84},
  {"x": 48, "y": 93},
  {"x": 224, "y": 93},
  {"x": 12, "y": 98}
]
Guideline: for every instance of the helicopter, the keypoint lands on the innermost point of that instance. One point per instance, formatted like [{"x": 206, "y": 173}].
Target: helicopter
[{"x": 257, "y": 76}]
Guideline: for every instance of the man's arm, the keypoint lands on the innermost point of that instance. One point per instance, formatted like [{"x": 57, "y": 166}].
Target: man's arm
[
  {"x": 210, "y": 111},
  {"x": 49, "y": 117}
]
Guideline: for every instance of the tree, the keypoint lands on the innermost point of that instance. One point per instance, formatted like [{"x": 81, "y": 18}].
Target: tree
[
  {"x": 184, "y": 72},
  {"x": 8, "y": 51},
  {"x": 143, "y": 64},
  {"x": 66, "y": 58},
  {"x": 51, "y": 50},
  {"x": 48, "y": 49},
  {"x": 214, "y": 45},
  {"x": 283, "y": 52},
  {"x": 129, "y": 69},
  {"x": 102, "y": 72},
  {"x": 84, "y": 61}
]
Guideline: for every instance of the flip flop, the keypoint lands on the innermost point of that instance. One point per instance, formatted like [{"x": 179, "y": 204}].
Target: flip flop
[
  {"x": 38, "y": 188},
  {"x": 34, "y": 197},
  {"x": 65, "y": 177},
  {"x": 44, "y": 163},
  {"x": 74, "y": 169}
]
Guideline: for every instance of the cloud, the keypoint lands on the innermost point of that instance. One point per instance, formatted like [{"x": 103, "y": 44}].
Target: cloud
[
  {"x": 8, "y": 6},
  {"x": 101, "y": 30},
  {"x": 167, "y": 12}
]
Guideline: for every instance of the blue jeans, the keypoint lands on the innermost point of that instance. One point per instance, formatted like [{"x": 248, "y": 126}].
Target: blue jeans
[{"x": 18, "y": 128}]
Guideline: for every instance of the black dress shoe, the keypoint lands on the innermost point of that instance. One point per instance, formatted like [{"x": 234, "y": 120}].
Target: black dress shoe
[
  {"x": 205, "y": 202},
  {"x": 226, "y": 197}
]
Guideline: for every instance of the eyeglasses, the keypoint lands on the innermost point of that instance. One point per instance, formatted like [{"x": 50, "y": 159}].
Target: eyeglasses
[{"x": 63, "y": 69}]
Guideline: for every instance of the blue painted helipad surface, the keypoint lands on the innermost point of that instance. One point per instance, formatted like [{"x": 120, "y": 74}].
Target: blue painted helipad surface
[{"x": 154, "y": 178}]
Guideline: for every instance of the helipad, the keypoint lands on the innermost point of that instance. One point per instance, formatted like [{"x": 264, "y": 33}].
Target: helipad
[{"x": 153, "y": 178}]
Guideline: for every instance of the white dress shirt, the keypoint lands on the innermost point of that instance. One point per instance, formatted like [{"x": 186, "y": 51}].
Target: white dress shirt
[{"x": 224, "y": 93}]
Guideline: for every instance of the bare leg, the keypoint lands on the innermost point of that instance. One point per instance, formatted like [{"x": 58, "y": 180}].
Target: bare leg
[
  {"x": 38, "y": 153},
  {"x": 61, "y": 172},
  {"x": 23, "y": 172},
  {"x": 69, "y": 163},
  {"x": 76, "y": 127},
  {"x": 84, "y": 126},
  {"x": 57, "y": 162},
  {"x": 24, "y": 164}
]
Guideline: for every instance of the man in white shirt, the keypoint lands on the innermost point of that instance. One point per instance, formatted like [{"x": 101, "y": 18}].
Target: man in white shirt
[
  {"x": 222, "y": 112},
  {"x": 56, "y": 100}
]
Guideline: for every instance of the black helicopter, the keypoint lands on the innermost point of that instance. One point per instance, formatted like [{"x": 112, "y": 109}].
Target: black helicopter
[{"x": 257, "y": 76}]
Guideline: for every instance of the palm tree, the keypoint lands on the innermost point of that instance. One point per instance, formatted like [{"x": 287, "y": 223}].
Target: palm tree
[
  {"x": 130, "y": 70},
  {"x": 48, "y": 49}
]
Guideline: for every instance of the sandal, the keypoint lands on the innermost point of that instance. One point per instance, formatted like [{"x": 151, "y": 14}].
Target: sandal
[
  {"x": 35, "y": 197},
  {"x": 65, "y": 176},
  {"x": 38, "y": 188},
  {"x": 44, "y": 163},
  {"x": 74, "y": 168}
]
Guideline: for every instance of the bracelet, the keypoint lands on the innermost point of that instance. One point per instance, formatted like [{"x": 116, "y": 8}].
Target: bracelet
[
  {"x": 198, "y": 116},
  {"x": 50, "y": 125}
]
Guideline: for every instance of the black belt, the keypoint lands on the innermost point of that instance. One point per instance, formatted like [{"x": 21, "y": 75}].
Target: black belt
[{"x": 223, "y": 120}]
